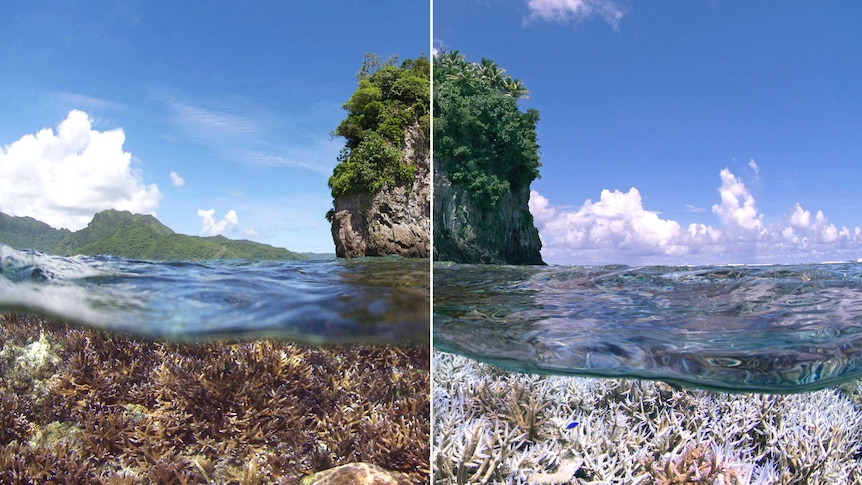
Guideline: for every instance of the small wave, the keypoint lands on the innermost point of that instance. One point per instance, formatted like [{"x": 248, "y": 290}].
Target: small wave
[
  {"x": 35, "y": 266},
  {"x": 383, "y": 301}
]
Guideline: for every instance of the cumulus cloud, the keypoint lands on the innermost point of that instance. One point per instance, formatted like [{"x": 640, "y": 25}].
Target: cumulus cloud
[
  {"x": 614, "y": 226},
  {"x": 618, "y": 229},
  {"x": 573, "y": 11},
  {"x": 212, "y": 227},
  {"x": 177, "y": 180},
  {"x": 738, "y": 210},
  {"x": 64, "y": 177},
  {"x": 805, "y": 230}
]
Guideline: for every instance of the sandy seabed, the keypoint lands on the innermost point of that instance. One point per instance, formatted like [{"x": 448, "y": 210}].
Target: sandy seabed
[{"x": 493, "y": 426}]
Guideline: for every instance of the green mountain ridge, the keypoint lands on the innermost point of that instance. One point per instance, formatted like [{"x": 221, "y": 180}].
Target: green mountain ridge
[
  {"x": 137, "y": 236},
  {"x": 26, "y": 232}
]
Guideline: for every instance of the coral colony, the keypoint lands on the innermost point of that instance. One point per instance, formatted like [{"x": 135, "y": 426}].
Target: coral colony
[
  {"x": 85, "y": 406},
  {"x": 492, "y": 426}
]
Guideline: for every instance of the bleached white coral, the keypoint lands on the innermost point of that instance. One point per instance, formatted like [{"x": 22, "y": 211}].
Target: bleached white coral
[{"x": 495, "y": 426}]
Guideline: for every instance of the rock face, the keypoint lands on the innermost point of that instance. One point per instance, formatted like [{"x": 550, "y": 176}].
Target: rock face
[
  {"x": 396, "y": 219},
  {"x": 463, "y": 234},
  {"x": 356, "y": 473}
]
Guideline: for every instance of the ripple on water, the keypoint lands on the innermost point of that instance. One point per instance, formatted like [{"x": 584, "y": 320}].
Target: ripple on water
[
  {"x": 758, "y": 328},
  {"x": 370, "y": 300}
]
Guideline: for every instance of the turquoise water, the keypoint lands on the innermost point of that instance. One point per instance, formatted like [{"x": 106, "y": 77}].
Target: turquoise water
[
  {"x": 775, "y": 328},
  {"x": 367, "y": 300}
]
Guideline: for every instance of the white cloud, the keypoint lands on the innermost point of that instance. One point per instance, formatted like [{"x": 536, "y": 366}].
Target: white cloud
[
  {"x": 64, "y": 178},
  {"x": 805, "y": 231},
  {"x": 753, "y": 166},
  {"x": 800, "y": 218},
  {"x": 211, "y": 227},
  {"x": 573, "y": 11},
  {"x": 614, "y": 226},
  {"x": 177, "y": 180},
  {"x": 738, "y": 210},
  {"x": 241, "y": 132},
  {"x": 213, "y": 122},
  {"x": 88, "y": 102},
  {"x": 618, "y": 229}
]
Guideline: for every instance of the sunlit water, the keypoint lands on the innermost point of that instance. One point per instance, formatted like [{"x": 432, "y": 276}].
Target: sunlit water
[
  {"x": 369, "y": 300},
  {"x": 736, "y": 328}
]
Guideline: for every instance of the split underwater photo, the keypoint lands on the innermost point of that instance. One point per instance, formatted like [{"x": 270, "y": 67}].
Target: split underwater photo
[
  {"x": 606, "y": 310},
  {"x": 444, "y": 242},
  {"x": 158, "y": 159}
]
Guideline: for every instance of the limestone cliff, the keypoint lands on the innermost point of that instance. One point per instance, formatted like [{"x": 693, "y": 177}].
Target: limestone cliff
[
  {"x": 464, "y": 234},
  {"x": 393, "y": 220}
]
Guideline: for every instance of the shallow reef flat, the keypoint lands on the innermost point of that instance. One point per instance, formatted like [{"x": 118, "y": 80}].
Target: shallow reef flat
[
  {"x": 78, "y": 405},
  {"x": 493, "y": 426}
]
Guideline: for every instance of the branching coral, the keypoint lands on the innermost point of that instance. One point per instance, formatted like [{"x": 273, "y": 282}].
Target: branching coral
[
  {"x": 632, "y": 431},
  {"x": 112, "y": 409}
]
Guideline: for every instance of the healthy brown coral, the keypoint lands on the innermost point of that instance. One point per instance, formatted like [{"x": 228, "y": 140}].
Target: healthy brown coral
[{"x": 137, "y": 411}]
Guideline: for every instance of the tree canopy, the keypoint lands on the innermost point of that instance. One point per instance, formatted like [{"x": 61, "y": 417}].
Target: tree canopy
[
  {"x": 482, "y": 138},
  {"x": 387, "y": 99}
]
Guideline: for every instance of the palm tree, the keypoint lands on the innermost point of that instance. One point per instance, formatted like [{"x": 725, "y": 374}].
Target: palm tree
[
  {"x": 516, "y": 89},
  {"x": 465, "y": 77},
  {"x": 451, "y": 57},
  {"x": 491, "y": 72}
]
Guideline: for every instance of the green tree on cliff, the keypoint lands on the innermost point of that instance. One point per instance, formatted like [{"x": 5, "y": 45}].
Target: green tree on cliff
[
  {"x": 484, "y": 141},
  {"x": 387, "y": 100}
]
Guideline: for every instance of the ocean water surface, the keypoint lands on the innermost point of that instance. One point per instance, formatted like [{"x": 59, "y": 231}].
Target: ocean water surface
[
  {"x": 366, "y": 300},
  {"x": 781, "y": 328}
]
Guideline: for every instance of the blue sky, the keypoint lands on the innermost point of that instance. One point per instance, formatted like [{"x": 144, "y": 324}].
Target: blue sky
[
  {"x": 721, "y": 131},
  {"x": 215, "y": 116}
]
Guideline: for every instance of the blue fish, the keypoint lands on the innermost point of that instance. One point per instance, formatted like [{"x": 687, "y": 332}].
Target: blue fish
[{"x": 572, "y": 425}]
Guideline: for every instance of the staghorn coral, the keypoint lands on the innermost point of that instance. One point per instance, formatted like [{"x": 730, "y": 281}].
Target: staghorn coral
[
  {"x": 104, "y": 408},
  {"x": 632, "y": 431}
]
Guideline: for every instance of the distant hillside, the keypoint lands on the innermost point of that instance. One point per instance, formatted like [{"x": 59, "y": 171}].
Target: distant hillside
[
  {"x": 319, "y": 256},
  {"x": 26, "y": 232},
  {"x": 121, "y": 233}
]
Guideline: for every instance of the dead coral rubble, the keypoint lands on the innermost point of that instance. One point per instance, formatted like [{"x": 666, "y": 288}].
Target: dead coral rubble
[{"x": 86, "y": 406}]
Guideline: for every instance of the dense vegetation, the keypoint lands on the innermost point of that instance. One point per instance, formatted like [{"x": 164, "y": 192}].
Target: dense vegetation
[
  {"x": 484, "y": 141},
  {"x": 121, "y": 233},
  {"x": 26, "y": 232},
  {"x": 386, "y": 101}
]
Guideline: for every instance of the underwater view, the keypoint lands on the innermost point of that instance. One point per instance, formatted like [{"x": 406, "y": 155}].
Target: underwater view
[
  {"x": 81, "y": 405},
  {"x": 496, "y": 426},
  {"x": 617, "y": 374},
  {"x": 124, "y": 371},
  {"x": 779, "y": 328}
]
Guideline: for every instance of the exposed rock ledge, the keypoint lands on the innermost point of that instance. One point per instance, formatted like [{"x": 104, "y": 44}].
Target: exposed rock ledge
[
  {"x": 396, "y": 219},
  {"x": 464, "y": 234}
]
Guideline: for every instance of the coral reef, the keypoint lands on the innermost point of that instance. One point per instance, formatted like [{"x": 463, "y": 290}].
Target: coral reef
[
  {"x": 85, "y": 406},
  {"x": 500, "y": 427}
]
